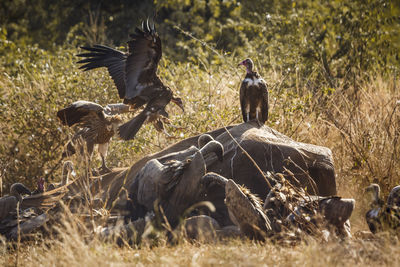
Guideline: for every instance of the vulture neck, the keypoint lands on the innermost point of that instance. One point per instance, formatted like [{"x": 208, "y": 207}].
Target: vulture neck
[
  {"x": 66, "y": 171},
  {"x": 251, "y": 74},
  {"x": 249, "y": 68},
  {"x": 376, "y": 201}
]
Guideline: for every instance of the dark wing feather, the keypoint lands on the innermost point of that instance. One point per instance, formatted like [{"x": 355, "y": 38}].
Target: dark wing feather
[
  {"x": 93, "y": 125},
  {"x": 243, "y": 89},
  {"x": 113, "y": 60},
  {"x": 129, "y": 129},
  {"x": 172, "y": 175},
  {"x": 265, "y": 104},
  {"x": 78, "y": 111},
  {"x": 141, "y": 65}
]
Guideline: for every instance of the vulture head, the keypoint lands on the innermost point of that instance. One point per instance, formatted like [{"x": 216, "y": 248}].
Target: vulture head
[
  {"x": 19, "y": 189},
  {"x": 178, "y": 101},
  {"x": 373, "y": 192},
  {"x": 40, "y": 185},
  {"x": 248, "y": 63}
]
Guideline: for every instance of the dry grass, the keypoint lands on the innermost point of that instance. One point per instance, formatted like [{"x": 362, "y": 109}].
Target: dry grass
[
  {"x": 360, "y": 122},
  {"x": 74, "y": 252},
  {"x": 344, "y": 126}
]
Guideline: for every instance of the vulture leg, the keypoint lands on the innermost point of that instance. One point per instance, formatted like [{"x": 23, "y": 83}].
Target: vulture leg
[
  {"x": 258, "y": 114},
  {"x": 89, "y": 149},
  {"x": 159, "y": 125},
  {"x": 88, "y": 153},
  {"x": 103, "y": 148}
]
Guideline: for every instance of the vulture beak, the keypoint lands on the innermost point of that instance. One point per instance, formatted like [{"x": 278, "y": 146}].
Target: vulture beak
[{"x": 178, "y": 102}]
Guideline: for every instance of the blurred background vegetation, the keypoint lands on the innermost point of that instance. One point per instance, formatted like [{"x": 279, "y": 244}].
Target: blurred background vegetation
[{"x": 332, "y": 68}]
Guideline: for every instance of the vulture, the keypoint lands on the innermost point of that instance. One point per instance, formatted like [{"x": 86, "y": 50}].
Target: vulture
[
  {"x": 40, "y": 187},
  {"x": 134, "y": 75},
  {"x": 9, "y": 203},
  {"x": 253, "y": 95},
  {"x": 95, "y": 127},
  {"x": 394, "y": 197},
  {"x": 67, "y": 170},
  {"x": 383, "y": 216}
]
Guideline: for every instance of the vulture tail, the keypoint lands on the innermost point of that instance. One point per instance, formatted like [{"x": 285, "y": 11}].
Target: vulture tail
[{"x": 128, "y": 130}]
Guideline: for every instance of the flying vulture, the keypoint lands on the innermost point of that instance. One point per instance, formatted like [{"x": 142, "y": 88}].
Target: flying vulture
[
  {"x": 95, "y": 127},
  {"x": 134, "y": 75},
  {"x": 383, "y": 216},
  {"x": 253, "y": 95},
  {"x": 9, "y": 203}
]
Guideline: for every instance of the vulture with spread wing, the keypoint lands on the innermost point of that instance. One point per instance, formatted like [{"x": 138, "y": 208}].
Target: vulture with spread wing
[
  {"x": 95, "y": 127},
  {"x": 253, "y": 95},
  {"x": 134, "y": 74}
]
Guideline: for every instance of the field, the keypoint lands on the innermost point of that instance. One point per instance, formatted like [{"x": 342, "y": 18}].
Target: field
[
  {"x": 356, "y": 114},
  {"x": 360, "y": 125}
]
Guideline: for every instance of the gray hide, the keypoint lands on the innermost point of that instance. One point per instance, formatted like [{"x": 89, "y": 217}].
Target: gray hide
[{"x": 270, "y": 150}]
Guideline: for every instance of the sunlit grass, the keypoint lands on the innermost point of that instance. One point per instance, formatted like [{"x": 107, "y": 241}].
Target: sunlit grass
[{"x": 359, "y": 122}]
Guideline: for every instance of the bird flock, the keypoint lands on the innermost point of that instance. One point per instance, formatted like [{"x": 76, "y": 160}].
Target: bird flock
[
  {"x": 143, "y": 92},
  {"x": 135, "y": 77}
]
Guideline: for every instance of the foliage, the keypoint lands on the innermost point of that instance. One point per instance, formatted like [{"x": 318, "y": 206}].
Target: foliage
[{"x": 331, "y": 67}]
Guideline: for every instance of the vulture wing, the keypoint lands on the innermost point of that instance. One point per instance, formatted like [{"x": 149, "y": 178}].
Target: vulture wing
[
  {"x": 264, "y": 105},
  {"x": 113, "y": 60},
  {"x": 141, "y": 65},
  {"x": 93, "y": 124},
  {"x": 80, "y": 112},
  {"x": 243, "y": 100}
]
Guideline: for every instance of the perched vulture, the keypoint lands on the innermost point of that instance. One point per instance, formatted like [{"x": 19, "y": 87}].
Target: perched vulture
[
  {"x": 394, "y": 197},
  {"x": 95, "y": 127},
  {"x": 253, "y": 95},
  {"x": 383, "y": 216},
  {"x": 9, "y": 203},
  {"x": 134, "y": 74},
  {"x": 67, "y": 170},
  {"x": 376, "y": 204}
]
